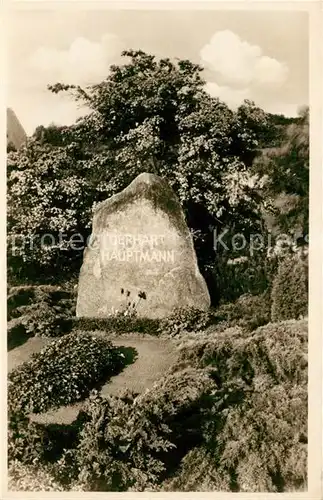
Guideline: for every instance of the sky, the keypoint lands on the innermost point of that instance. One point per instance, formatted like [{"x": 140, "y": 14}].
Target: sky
[{"x": 257, "y": 55}]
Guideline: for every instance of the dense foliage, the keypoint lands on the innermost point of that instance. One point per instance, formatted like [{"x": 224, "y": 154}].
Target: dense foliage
[
  {"x": 49, "y": 202},
  {"x": 262, "y": 446},
  {"x": 185, "y": 320},
  {"x": 63, "y": 372},
  {"x": 259, "y": 444},
  {"x": 277, "y": 350},
  {"x": 231, "y": 415},
  {"x": 23, "y": 296},
  {"x": 22, "y": 477},
  {"x": 148, "y": 115},
  {"x": 129, "y": 443},
  {"x": 286, "y": 187},
  {"x": 248, "y": 311},
  {"x": 42, "y": 310}
]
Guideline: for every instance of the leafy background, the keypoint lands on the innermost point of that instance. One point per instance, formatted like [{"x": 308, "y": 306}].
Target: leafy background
[{"x": 231, "y": 413}]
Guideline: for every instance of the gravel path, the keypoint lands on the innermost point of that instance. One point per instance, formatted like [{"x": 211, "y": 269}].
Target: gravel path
[
  {"x": 24, "y": 352},
  {"x": 153, "y": 357}
]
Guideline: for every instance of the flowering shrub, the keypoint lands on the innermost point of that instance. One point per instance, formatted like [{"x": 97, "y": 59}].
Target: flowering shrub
[
  {"x": 164, "y": 123},
  {"x": 63, "y": 372}
]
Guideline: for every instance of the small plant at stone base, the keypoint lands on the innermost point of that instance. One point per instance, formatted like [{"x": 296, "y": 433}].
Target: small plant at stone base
[{"x": 130, "y": 307}]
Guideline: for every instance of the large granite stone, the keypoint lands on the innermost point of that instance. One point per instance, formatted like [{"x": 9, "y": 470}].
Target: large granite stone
[{"x": 140, "y": 255}]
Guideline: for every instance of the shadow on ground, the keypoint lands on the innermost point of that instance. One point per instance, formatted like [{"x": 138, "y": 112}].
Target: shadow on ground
[
  {"x": 130, "y": 354},
  {"x": 16, "y": 337}
]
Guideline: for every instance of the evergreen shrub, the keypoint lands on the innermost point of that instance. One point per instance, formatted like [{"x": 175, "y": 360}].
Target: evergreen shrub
[
  {"x": 62, "y": 373},
  {"x": 290, "y": 290}
]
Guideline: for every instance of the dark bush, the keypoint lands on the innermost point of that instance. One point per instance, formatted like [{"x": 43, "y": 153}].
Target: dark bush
[
  {"x": 19, "y": 296},
  {"x": 248, "y": 311},
  {"x": 249, "y": 273},
  {"x": 186, "y": 320},
  {"x": 129, "y": 443},
  {"x": 43, "y": 319},
  {"x": 63, "y": 372},
  {"x": 41, "y": 310},
  {"x": 25, "y": 439},
  {"x": 290, "y": 290},
  {"x": 118, "y": 323},
  {"x": 30, "y": 294},
  {"x": 16, "y": 333}
]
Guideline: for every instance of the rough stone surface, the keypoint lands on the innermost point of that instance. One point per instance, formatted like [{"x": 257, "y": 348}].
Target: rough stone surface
[
  {"x": 15, "y": 132},
  {"x": 140, "y": 243}
]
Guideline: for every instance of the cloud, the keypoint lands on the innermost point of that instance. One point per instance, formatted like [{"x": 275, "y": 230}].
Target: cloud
[
  {"x": 83, "y": 62},
  {"x": 232, "y": 97},
  {"x": 286, "y": 109},
  {"x": 44, "y": 108},
  {"x": 237, "y": 62}
]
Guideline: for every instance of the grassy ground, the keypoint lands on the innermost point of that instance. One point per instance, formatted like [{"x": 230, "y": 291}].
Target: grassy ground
[{"x": 152, "y": 357}]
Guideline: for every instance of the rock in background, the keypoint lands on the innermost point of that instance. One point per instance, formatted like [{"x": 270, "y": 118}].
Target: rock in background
[{"x": 16, "y": 136}]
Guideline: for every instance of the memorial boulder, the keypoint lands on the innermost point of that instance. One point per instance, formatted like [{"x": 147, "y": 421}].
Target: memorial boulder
[{"x": 140, "y": 256}]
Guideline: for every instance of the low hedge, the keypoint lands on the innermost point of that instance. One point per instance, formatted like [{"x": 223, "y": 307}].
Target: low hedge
[
  {"x": 180, "y": 320},
  {"x": 118, "y": 323},
  {"x": 62, "y": 373},
  {"x": 187, "y": 319}
]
